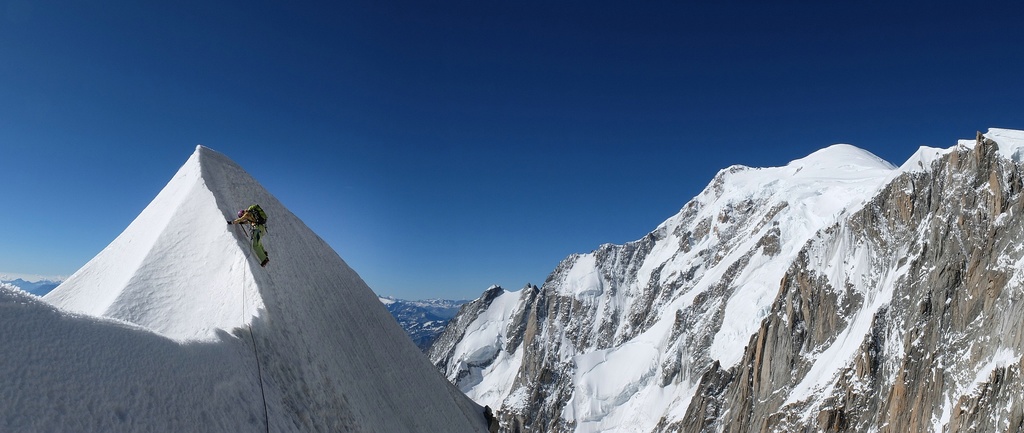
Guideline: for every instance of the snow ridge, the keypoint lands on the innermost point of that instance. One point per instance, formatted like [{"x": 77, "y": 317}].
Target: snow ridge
[
  {"x": 156, "y": 333},
  {"x": 173, "y": 270}
]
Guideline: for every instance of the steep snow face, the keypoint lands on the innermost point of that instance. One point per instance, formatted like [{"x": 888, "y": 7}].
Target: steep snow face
[
  {"x": 474, "y": 349},
  {"x": 301, "y": 345},
  {"x": 482, "y": 346},
  {"x": 178, "y": 269}
]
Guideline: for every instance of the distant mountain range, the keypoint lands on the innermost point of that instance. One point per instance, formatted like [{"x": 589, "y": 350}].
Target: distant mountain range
[
  {"x": 422, "y": 320},
  {"x": 38, "y": 288}
]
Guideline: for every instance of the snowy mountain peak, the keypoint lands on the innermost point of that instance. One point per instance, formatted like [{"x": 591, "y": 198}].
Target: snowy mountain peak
[
  {"x": 178, "y": 269},
  {"x": 841, "y": 158},
  {"x": 300, "y": 345},
  {"x": 818, "y": 186}
]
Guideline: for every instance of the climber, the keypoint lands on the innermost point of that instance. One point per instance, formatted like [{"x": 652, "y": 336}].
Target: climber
[{"x": 257, "y": 219}]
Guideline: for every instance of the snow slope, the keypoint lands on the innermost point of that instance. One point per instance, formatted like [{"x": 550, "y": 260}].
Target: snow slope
[{"x": 173, "y": 327}]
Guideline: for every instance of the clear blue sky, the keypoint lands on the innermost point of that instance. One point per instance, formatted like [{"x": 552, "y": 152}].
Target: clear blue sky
[{"x": 441, "y": 147}]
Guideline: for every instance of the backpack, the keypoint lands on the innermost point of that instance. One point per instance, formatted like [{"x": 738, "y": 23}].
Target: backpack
[{"x": 257, "y": 212}]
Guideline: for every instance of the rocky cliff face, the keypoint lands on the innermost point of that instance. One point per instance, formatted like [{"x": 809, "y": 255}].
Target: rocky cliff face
[{"x": 837, "y": 293}]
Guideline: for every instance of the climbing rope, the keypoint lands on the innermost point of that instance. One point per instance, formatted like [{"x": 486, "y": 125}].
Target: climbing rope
[{"x": 256, "y": 352}]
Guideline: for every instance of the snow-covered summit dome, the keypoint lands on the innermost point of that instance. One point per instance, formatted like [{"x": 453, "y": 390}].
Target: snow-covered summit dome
[{"x": 839, "y": 158}]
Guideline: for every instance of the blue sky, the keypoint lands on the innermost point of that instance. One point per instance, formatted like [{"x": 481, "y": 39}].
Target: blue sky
[{"x": 441, "y": 147}]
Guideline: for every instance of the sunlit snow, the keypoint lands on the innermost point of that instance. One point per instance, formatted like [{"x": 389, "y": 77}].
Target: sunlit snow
[{"x": 173, "y": 327}]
